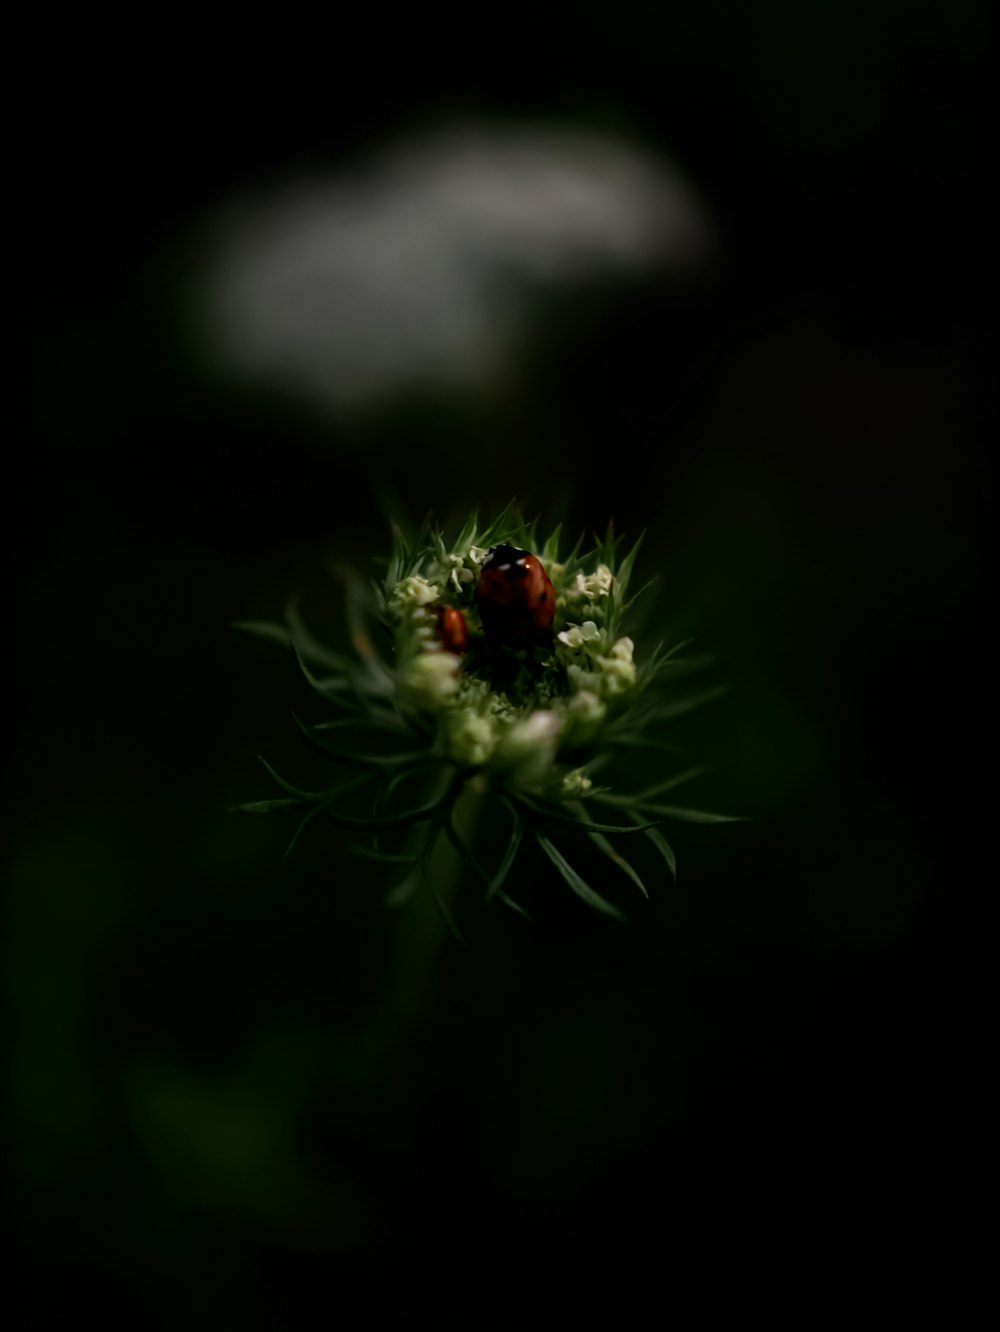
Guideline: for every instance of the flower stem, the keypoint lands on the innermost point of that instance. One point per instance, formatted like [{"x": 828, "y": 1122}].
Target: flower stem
[{"x": 421, "y": 929}]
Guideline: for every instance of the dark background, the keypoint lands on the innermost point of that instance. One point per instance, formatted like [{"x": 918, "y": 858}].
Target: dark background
[{"x": 775, "y": 1066}]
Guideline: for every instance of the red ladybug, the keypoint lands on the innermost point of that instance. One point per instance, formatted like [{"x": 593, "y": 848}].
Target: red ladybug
[
  {"x": 452, "y": 630},
  {"x": 515, "y": 598}
]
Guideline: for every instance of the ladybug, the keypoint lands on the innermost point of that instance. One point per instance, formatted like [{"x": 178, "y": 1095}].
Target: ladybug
[
  {"x": 452, "y": 630},
  {"x": 515, "y": 598}
]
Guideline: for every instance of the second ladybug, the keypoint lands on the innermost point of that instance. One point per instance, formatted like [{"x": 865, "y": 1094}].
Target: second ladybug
[
  {"x": 515, "y": 598},
  {"x": 453, "y": 632}
]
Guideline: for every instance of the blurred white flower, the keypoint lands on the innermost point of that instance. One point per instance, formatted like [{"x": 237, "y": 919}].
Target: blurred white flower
[
  {"x": 575, "y": 784},
  {"x": 428, "y": 681},
  {"x": 529, "y": 747},
  {"x": 420, "y": 270}
]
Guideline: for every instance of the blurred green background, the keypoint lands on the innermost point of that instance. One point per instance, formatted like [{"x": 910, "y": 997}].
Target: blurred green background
[{"x": 232, "y": 1080}]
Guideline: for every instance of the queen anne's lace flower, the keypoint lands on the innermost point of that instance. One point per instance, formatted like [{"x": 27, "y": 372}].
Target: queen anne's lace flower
[{"x": 469, "y": 711}]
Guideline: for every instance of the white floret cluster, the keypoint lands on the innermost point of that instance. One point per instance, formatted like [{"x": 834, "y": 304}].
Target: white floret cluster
[
  {"x": 456, "y": 570},
  {"x": 426, "y": 677},
  {"x": 476, "y": 722},
  {"x": 597, "y": 666}
]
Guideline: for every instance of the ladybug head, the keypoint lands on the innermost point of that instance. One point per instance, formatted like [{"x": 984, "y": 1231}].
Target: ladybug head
[{"x": 508, "y": 560}]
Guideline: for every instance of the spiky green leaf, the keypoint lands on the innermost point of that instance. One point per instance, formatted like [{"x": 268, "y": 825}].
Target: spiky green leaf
[
  {"x": 663, "y": 846},
  {"x": 579, "y": 885},
  {"x": 691, "y": 815},
  {"x": 266, "y": 806},
  {"x": 641, "y": 798},
  {"x": 511, "y": 850},
  {"x": 564, "y": 815}
]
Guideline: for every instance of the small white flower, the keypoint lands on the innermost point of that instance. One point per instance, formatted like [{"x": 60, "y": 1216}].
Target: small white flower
[
  {"x": 578, "y": 635},
  {"x": 471, "y": 737},
  {"x": 452, "y": 570},
  {"x": 585, "y": 706},
  {"x": 619, "y": 674},
  {"x": 618, "y": 668},
  {"x": 575, "y": 784},
  {"x": 611, "y": 675},
  {"x": 581, "y": 679},
  {"x": 423, "y": 633},
  {"x": 619, "y": 677},
  {"x": 411, "y": 592},
  {"x": 595, "y": 585},
  {"x": 539, "y": 728},
  {"x": 529, "y": 747}
]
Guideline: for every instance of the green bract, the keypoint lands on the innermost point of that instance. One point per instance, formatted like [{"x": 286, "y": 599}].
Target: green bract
[{"x": 423, "y": 727}]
